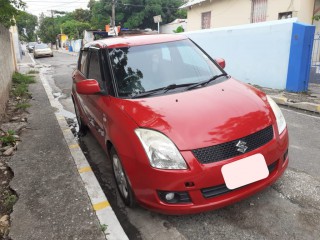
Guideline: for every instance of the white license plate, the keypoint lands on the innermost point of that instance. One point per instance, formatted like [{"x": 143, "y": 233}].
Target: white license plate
[{"x": 245, "y": 171}]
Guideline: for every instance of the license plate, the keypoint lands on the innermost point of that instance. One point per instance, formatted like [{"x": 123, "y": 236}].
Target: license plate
[{"x": 245, "y": 171}]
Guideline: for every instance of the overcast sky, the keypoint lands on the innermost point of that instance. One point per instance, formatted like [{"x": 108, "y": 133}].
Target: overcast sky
[{"x": 36, "y": 7}]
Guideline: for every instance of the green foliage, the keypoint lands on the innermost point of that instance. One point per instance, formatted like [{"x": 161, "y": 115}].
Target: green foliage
[
  {"x": 32, "y": 71},
  {"x": 21, "y": 90},
  {"x": 48, "y": 29},
  {"x": 9, "y": 200},
  {"x": 23, "y": 105},
  {"x": 8, "y": 9},
  {"x": 21, "y": 82},
  {"x": 104, "y": 227},
  {"x": 8, "y": 138},
  {"x": 316, "y": 17},
  {"x": 135, "y": 13},
  {"x": 74, "y": 29},
  {"x": 22, "y": 78},
  {"x": 28, "y": 22},
  {"x": 179, "y": 30}
]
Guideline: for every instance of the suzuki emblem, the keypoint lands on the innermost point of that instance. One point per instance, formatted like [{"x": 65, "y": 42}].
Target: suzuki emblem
[{"x": 242, "y": 146}]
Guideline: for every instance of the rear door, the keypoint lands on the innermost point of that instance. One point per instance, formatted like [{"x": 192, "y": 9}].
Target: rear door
[
  {"x": 95, "y": 102},
  {"x": 79, "y": 75}
]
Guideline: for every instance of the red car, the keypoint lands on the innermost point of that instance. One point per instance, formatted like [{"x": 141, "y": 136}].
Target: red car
[{"x": 183, "y": 136}]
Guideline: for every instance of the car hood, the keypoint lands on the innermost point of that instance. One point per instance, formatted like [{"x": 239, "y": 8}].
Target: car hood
[{"x": 203, "y": 117}]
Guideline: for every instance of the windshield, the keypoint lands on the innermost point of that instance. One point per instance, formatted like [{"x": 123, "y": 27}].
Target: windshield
[
  {"x": 41, "y": 46},
  {"x": 145, "y": 68}
]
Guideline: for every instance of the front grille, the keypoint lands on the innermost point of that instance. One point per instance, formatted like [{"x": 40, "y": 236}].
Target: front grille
[
  {"x": 227, "y": 150},
  {"x": 222, "y": 189}
]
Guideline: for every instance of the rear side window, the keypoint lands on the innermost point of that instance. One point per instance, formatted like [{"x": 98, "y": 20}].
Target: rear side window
[
  {"x": 83, "y": 63},
  {"x": 94, "y": 67}
]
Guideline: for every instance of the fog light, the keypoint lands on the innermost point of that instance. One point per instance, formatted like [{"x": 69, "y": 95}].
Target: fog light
[
  {"x": 174, "y": 197},
  {"x": 169, "y": 196}
]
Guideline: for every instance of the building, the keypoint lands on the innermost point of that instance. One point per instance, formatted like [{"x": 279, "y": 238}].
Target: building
[{"x": 204, "y": 14}]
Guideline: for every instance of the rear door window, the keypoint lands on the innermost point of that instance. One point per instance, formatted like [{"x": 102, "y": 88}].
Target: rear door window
[
  {"x": 83, "y": 65},
  {"x": 94, "y": 67}
]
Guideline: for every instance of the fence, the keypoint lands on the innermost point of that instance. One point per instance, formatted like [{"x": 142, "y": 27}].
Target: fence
[{"x": 315, "y": 64}]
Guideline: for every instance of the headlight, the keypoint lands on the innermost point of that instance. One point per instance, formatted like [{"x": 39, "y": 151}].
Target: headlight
[
  {"x": 161, "y": 151},
  {"x": 281, "y": 122}
]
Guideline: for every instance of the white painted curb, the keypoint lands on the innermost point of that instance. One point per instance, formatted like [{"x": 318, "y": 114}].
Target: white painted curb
[{"x": 99, "y": 201}]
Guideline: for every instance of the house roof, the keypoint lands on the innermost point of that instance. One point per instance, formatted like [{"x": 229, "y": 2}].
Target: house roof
[{"x": 191, "y": 3}]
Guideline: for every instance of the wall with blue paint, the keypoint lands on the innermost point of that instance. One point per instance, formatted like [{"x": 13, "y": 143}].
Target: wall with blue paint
[
  {"x": 300, "y": 57},
  {"x": 255, "y": 53}
]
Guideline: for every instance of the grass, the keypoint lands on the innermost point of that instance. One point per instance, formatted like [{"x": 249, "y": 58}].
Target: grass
[
  {"x": 32, "y": 71},
  {"x": 19, "y": 78},
  {"x": 8, "y": 138},
  {"x": 23, "y": 105},
  {"x": 21, "y": 90},
  {"x": 9, "y": 200},
  {"x": 104, "y": 227}
]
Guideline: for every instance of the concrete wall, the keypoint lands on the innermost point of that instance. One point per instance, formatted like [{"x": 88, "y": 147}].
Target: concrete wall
[
  {"x": 7, "y": 66},
  {"x": 254, "y": 53},
  {"x": 16, "y": 43},
  {"x": 168, "y": 28},
  {"x": 237, "y": 12}
]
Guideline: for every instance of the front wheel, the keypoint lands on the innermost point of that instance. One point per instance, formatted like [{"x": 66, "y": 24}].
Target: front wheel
[
  {"x": 81, "y": 125},
  {"x": 121, "y": 180}
]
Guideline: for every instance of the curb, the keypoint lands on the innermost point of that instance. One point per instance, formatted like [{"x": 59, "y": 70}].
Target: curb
[
  {"x": 307, "y": 106},
  {"x": 65, "y": 52},
  {"x": 99, "y": 201}
]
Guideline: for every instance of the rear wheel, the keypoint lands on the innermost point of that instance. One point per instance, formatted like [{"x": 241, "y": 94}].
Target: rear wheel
[
  {"x": 81, "y": 125},
  {"x": 121, "y": 180}
]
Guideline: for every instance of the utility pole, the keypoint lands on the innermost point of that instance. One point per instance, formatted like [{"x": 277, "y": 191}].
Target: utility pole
[{"x": 113, "y": 24}]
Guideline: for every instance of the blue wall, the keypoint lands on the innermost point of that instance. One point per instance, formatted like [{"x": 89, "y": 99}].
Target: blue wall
[{"x": 300, "y": 57}]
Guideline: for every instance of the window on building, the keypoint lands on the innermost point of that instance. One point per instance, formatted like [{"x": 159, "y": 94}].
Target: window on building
[
  {"x": 206, "y": 20},
  {"x": 285, "y": 15},
  {"x": 259, "y": 11}
]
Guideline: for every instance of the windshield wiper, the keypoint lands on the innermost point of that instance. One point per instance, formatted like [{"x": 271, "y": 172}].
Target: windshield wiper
[
  {"x": 162, "y": 90},
  {"x": 206, "y": 81}
]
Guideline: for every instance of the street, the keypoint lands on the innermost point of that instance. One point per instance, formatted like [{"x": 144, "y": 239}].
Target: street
[{"x": 289, "y": 209}]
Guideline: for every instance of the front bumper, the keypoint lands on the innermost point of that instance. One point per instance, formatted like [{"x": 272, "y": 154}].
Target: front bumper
[{"x": 204, "y": 177}]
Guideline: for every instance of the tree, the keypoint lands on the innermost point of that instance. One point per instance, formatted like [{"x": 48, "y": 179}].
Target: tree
[
  {"x": 9, "y": 8},
  {"x": 135, "y": 13},
  {"x": 26, "y": 26},
  {"x": 74, "y": 29},
  {"x": 48, "y": 29}
]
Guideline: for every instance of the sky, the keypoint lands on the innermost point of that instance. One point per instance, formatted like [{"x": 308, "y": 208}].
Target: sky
[{"x": 36, "y": 7}]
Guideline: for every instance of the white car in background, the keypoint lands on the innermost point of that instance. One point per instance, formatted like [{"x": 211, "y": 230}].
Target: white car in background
[{"x": 42, "y": 50}]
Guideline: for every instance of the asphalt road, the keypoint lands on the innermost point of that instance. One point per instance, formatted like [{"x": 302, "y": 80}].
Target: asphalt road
[{"x": 289, "y": 209}]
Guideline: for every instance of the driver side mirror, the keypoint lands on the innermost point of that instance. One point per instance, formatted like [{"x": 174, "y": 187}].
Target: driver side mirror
[
  {"x": 88, "y": 87},
  {"x": 221, "y": 62}
]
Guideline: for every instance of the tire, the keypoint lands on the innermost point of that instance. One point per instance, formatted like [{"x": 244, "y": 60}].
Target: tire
[
  {"x": 52, "y": 55},
  {"x": 82, "y": 127},
  {"x": 121, "y": 179}
]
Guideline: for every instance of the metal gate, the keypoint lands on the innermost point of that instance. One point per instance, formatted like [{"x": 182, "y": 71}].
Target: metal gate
[{"x": 315, "y": 62}]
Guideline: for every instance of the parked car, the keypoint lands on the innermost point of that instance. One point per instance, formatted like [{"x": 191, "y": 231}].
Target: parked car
[
  {"x": 30, "y": 46},
  {"x": 42, "y": 50},
  {"x": 182, "y": 135}
]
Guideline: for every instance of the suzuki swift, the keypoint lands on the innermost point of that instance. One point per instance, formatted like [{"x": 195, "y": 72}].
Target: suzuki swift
[{"x": 181, "y": 134}]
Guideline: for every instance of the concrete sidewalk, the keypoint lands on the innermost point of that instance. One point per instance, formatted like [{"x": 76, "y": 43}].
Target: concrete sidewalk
[
  {"x": 59, "y": 196},
  {"x": 63, "y": 50},
  {"x": 309, "y": 101},
  {"x": 53, "y": 203}
]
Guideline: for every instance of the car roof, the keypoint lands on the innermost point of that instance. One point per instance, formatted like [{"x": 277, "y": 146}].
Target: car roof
[{"x": 129, "y": 41}]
